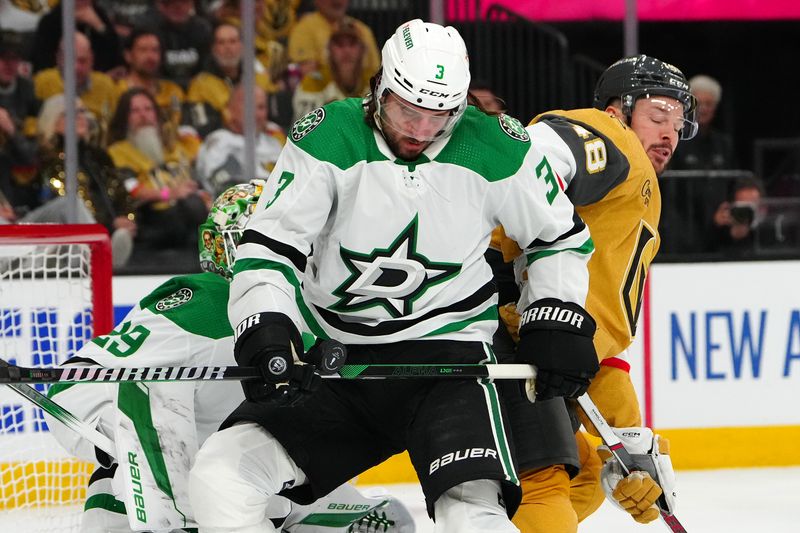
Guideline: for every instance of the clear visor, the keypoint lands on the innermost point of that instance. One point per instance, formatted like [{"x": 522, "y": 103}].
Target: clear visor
[{"x": 415, "y": 122}]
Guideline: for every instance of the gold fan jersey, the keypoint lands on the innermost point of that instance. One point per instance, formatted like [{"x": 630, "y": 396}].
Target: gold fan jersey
[{"x": 614, "y": 188}]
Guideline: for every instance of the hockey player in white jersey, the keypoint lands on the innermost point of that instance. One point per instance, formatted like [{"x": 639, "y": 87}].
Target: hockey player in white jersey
[
  {"x": 397, "y": 196},
  {"x": 183, "y": 323}
]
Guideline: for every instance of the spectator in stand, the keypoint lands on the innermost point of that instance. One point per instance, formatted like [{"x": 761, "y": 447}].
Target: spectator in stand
[
  {"x": 159, "y": 177},
  {"x": 220, "y": 161},
  {"x": 735, "y": 221},
  {"x": 711, "y": 149},
  {"x": 342, "y": 77},
  {"x": 18, "y": 110},
  {"x": 126, "y": 15},
  {"x": 102, "y": 197},
  {"x": 308, "y": 40},
  {"x": 210, "y": 91},
  {"x": 23, "y": 17},
  {"x": 100, "y": 186},
  {"x": 96, "y": 90},
  {"x": 143, "y": 58},
  {"x": 185, "y": 38},
  {"x": 482, "y": 91},
  {"x": 92, "y": 21},
  {"x": 274, "y": 20},
  {"x": 7, "y": 213}
]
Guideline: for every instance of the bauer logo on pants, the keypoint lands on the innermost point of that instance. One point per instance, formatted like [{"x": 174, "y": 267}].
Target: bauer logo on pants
[{"x": 460, "y": 455}]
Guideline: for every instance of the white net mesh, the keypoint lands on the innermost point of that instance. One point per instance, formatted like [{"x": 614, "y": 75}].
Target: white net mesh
[{"x": 46, "y": 314}]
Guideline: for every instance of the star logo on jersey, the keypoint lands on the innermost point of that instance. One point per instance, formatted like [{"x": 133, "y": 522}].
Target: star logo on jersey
[
  {"x": 513, "y": 128},
  {"x": 177, "y": 298},
  {"x": 392, "y": 278},
  {"x": 307, "y": 124}
]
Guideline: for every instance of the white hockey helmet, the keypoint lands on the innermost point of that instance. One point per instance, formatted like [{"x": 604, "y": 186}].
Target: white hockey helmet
[{"x": 425, "y": 65}]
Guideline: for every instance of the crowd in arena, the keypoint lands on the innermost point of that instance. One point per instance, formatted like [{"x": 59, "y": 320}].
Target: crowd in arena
[
  {"x": 161, "y": 122},
  {"x": 160, "y": 111}
]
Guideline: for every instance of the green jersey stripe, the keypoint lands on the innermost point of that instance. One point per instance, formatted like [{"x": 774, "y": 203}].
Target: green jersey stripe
[
  {"x": 107, "y": 502},
  {"x": 288, "y": 273},
  {"x": 488, "y": 314},
  {"x": 584, "y": 249}
]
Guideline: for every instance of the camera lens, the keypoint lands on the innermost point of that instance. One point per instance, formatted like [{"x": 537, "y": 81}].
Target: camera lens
[{"x": 743, "y": 214}]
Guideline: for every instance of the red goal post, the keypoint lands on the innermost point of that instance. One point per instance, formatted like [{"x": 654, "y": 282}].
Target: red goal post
[{"x": 55, "y": 295}]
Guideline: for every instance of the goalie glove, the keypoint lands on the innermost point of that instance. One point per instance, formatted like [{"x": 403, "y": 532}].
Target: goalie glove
[
  {"x": 557, "y": 338},
  {"x": 270, "y": 342},
  {"x": 650, "y": 487}
]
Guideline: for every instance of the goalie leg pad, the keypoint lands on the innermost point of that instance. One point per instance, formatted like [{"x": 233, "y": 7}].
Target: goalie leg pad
[
  {"x": 349, "y": 509},
  {"x": 235, "y": 473},
  {"x": 472, "y": 507}
]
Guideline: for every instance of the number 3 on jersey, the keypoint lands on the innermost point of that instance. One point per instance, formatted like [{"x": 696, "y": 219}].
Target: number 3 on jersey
[
  {"x": 283, "y": 182},
  {"x": 544, "y": 170}
]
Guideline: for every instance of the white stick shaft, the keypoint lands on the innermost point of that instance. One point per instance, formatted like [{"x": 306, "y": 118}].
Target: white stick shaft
[{"x": 65, "y": 417}]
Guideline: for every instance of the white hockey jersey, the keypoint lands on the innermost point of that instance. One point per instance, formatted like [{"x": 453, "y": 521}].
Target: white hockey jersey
[
  {"x": 220, "y": 161},
  {"x": 181, "y": 323},
  {"x": 398, "y": 246},
  {"x": 178, "y": 324},
  {"x": 175, "y": 325}
]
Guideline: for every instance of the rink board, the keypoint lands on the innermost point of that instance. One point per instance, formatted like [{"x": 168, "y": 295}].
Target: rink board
[{"x": 716, "y": 363}]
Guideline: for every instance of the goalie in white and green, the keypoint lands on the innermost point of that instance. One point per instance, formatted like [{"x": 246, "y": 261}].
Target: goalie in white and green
[{"x": 157, "y": 427}]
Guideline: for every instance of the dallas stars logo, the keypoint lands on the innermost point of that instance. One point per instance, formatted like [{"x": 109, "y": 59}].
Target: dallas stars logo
[{"x": 392, "y": 278}]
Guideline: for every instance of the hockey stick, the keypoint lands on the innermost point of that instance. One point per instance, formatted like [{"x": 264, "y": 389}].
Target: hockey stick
[
  {"x": 619, "y": 452},
  {"x": 97, "y": 374},
  {"x": 62, "y": 415}
]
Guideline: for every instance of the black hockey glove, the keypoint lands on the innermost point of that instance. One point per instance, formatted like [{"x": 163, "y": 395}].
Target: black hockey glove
[
  {"x": 556, "y": 337},
  {"x": 327, "y": 356},
  {"x": 270, "y": 342}
]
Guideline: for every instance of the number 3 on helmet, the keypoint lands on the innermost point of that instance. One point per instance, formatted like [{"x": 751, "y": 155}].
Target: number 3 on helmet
[{"x": 426, "y": 65}]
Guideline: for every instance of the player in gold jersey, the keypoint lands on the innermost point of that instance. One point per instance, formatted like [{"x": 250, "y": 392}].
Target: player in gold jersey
[{"x": 608, "y": 159}]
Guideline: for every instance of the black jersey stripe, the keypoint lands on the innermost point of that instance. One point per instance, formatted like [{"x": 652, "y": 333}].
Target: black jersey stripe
[
  {"x": 577, "y": 226},
  {"x": 586, "y": 188},
  {"x": 103, "y": 473},
  {"x": 291, "y": 253},
  {"x": 390, "y": 327}
]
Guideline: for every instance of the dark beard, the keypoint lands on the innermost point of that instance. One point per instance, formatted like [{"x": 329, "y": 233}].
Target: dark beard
[{"x": 394, "y": 146}]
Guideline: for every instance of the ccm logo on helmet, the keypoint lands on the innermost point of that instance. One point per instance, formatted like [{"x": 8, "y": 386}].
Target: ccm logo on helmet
[
  {"x": 460, "y": 455},
  {"x": 435, "y": 94},
  {"x": 556, "y": 314}
]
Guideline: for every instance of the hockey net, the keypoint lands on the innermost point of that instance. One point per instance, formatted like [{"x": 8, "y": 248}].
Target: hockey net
[{"x": 55, "y": 294}]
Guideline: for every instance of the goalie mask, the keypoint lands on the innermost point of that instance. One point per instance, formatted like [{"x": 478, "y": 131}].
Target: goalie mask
[
  {"x": 426, "y": 66},
  {"x": 220, "y": 233},
  {"x": 643, "y": 76}
]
